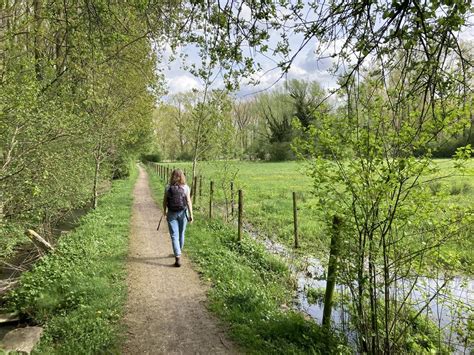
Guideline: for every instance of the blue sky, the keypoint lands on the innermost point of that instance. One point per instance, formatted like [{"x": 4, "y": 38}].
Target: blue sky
[{"x": 306, "y": 66}]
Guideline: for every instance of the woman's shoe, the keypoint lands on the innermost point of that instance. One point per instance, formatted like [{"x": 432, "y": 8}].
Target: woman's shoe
[{"x": 177, "y": 263}]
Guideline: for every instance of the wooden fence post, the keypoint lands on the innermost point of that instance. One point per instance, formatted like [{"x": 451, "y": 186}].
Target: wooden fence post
[
  {"x": 241, "y": 208},
  {"x": 332, "y": 271},
  {"x": 211, "y": 191},
  {"x": 232, "y": 198},
  {"x": 295, "y": 221}
]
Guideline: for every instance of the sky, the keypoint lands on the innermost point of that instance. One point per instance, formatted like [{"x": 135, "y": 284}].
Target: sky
[{"x": 306, "y": 66}]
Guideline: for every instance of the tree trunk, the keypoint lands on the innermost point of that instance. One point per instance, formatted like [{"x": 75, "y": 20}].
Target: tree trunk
[
  {"x": 361, "y": 322},
  {"x": 373, "y": 301},
  {"x": 194, "y": 168},
  {"x": 332, "y": 272},
  {"x": 386, "y": 276},
  {"x": 95, "y": 193},
  {"x": 37, "y": 25}
]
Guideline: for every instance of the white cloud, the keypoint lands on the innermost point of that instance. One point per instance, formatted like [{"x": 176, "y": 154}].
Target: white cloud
[
  {"x": 182, "y": 82},
  {"x": 246, "y": 13},
  {"x": 467, "y": 34}
]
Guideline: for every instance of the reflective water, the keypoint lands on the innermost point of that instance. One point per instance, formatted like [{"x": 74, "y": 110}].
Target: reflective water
[{"x": 450, "y": 301}]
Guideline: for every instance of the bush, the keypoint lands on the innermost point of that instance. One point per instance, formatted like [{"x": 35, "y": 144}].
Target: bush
[
  {"x": 184, "y": 156},
  {"x": 152, "y": 157},
  {"x": 446, "y": 148},
  {"x": 435, "y": 187},
  {"x": 121, "y": 167},
  {"x": 281, "y": 151},
  {"x": 457, "y": 189},
  {"x": 259, "y": 150}
]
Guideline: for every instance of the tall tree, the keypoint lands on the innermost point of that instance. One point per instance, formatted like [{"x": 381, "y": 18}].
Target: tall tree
[
  {"x": 309, "y": 100},
  {"x": 86, "y": 74},
  {"x": 244, "y": 119}
]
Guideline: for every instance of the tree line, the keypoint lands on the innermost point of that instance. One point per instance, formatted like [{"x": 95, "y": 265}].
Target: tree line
[
  {"x": 264, "y": 126},
  {"x": 78, "y": 88},
  {"x": 256, "y": 128}
]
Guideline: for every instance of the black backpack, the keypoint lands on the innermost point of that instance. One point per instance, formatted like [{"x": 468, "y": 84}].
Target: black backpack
[{"x": 176, "y": 198}]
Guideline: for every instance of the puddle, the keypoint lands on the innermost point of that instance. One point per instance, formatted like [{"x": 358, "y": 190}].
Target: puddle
[{"x": 451, "y": 308}]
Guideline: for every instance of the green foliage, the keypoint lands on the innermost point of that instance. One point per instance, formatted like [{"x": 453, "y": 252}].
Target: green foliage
[
  {"x": 12, "y": 236},
  {"x": 152, "y": 157},
  {"x": 281, "y": 151},
  {"x": 78, "y": 292},
  {"x": 121, "y": 166},
  {"x": 87, "y": 87},
  {"x": 307, "y": 99},
  {"x": 384, "y": 194},
  {"x": 422, "y": 335},
  {"x": 184, "y": 156},
  {"x": 315, "y": 295},
  {"x": 258, "y": 150}
]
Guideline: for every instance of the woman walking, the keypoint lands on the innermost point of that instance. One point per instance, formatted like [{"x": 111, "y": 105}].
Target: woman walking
[{"x": 176, "y": 204}]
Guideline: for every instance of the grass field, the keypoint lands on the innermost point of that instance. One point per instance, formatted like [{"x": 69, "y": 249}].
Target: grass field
[{"x": 268, "y": 201}]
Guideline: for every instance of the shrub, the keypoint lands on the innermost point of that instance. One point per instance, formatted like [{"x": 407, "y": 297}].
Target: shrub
[
  {"x": 121, "y": 167},
  {"x": 185, "y": 156},
  {"x": 435, "y": 187},
  {"x": 281, "y": 151},
  {"x": 315, "y": 295},
  {"x": 259, "y": 150},
  {"x": 455, "y": 189},
  {"x": 152, "y": 157}
]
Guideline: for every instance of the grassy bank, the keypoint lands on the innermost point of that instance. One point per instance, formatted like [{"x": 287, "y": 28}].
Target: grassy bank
[
  {"x": 78, "y": 292},
  {"x": 268, "y": 206},
  {"x": 251, "y": 291}
]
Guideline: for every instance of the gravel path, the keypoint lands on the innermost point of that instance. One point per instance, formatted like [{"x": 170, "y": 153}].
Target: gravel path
[{"x": 166, "y": 308}]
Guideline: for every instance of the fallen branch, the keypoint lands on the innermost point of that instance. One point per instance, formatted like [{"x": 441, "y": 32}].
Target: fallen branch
[
  {"x": 8, "y": 285},
  {"x": 9, "y": 318},
  {"x": 39, "y": 240}
]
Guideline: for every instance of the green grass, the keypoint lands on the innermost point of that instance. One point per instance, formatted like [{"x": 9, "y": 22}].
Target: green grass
[
  {"x": 78, "y": 292},
  {"x": 268, "y": 202},
  {"x": 249, "y": 288}
]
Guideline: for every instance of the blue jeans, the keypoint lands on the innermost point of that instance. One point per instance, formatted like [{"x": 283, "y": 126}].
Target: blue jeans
[{"x": 177, "y": 225}]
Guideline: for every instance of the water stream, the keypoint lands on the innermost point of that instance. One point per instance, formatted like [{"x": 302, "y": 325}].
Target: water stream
[
  {"x": 26, "y": 255},
  {"x": 452, "y": 307}
]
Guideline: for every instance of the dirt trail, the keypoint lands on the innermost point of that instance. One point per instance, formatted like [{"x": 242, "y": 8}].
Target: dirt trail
[{"x": 166, "y": 308}]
